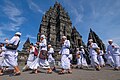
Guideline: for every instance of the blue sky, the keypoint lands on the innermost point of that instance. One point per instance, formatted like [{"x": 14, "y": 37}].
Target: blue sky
[{"x": 103, "y": 16}]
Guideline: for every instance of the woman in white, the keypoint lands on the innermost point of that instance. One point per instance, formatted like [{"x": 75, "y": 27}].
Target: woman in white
[
  {"x": 1, "y": 56},
  {"x": 51, "y": 60},
  {"x": 93, "y": 54},
  {"x": 41, "y": 61},
  {"x": 10, "y": 54},
  {"x": 4, "y": 63},
  {"x": 109, "y": 53},
  {"x": 2, "y": 52},
  {"x": 116, "y": 56},
  {"x": 65, "y": 52},
  {"x": 78, "y": 57},
  {"x": 83, "y": 59},
  {"x": 100, "y": 58},
  {"x": 31, "y": 57}
]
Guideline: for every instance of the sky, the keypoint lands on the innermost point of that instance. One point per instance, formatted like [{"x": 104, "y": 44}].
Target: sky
[{"x": 103, "y": 16}]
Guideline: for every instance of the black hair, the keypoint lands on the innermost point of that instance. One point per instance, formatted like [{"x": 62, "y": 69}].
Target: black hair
[{"x": 17, "y": 35}]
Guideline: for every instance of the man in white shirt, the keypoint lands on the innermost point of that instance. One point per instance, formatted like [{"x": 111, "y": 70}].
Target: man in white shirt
[
  {"x": 41, "y": 60},
  {"x": 31, "y": 57},
  {"x": 110, "y": 53},
  {"x": 114, "y": 49},
  {"x": 10, "y": 59},
  {"x": 51, "y": 60},
  {"x": 93, "y": 53},
  {"x": 65, "y": 52}
]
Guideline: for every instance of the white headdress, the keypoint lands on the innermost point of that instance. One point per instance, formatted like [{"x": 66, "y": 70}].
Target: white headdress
[
  {"x": 90, "y": 40},
  {"x": 42, "y": 36},
  {"x": 110, "y": 40},
  {"x": 18, "y": 33},
  {"x": 64, "y": 37}
]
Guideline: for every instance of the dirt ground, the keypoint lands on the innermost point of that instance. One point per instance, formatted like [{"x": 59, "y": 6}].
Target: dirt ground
[{"x": 105, "y": 73}]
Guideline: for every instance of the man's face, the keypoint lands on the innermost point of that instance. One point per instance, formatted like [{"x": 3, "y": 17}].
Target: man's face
[
  {"x": 110, "y": 42},
  {"x": 30, "y": 46},
  {"x": 63, "y": 39},
  {"x": 49, "y": 46},
  {"x": 41, "y": 38},
  {"x": 90, "y": 42}
]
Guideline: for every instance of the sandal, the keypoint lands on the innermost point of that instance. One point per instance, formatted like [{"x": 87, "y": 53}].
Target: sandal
[
  {"x": 49, "y": 72},
  {"x": 17, "y": 73},
  {"x": 69, "y": 72},
  {"x": 36, "y": 72},
  {"x": 1, "y": 74},
  {"x": 116, "y": 69},
  {"x": 61, "y": 72}
]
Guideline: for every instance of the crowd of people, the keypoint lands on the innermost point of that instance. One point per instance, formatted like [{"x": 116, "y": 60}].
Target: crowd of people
[{"x": 41, "y": 56}]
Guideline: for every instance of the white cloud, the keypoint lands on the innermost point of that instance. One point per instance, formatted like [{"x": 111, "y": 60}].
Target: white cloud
[
  {"x": 107, "y": 10},
  {"x": 35, "y": 7},
  {"x": 78, "y": 15},
  {"x": 11, "y": 11},
  {"x": 76, "y": 11},
  {"x": 94, "y": 12},
  {"x": 14, "y": 17},
  {"x": 2, "y": 36},
  {"x": 1, "y": 33}
]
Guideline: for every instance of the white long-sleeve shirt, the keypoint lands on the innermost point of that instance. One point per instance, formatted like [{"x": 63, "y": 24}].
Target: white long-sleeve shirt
[
  {"x": 31, "y": 54},
  {"x": 14, "y": 40},
  {"x": 116, "y": 49},
  {"x": 92, "y": 49},
  {"x": 65, "y": 48},
  {"x": 43, "y": 45},
  {"x": 50, "y": 52},
  {"x": 82, "y": 51},
  {"x": 110, "y": 49}
]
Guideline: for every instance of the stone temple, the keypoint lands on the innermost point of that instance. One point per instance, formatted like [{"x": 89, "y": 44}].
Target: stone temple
[{"x": 55, "y": 24}]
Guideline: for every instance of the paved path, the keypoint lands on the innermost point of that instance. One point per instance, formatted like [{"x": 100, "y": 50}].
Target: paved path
[{"x": 78, "y": 74}]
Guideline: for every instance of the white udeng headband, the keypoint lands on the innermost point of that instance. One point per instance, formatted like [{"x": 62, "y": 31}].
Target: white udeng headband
[
  {"x": 110, "y": 40},
  {"x": 42, "y": 36},
  {"x": 81, "y": 46},
  {"x": 18, "y": 33},
  {"x": 63, "y": 37},
  {"x": 90, "y": 40},
  {"x": 49, "y": 45}
]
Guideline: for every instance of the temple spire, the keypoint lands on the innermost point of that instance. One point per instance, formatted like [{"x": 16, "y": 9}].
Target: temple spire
[
  {"x": 26, "y": 45},
  {"x": 96, "y": 39}
]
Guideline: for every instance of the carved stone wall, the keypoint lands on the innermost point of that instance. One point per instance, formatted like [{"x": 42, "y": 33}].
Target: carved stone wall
[{"x": 55, "y": 24}]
